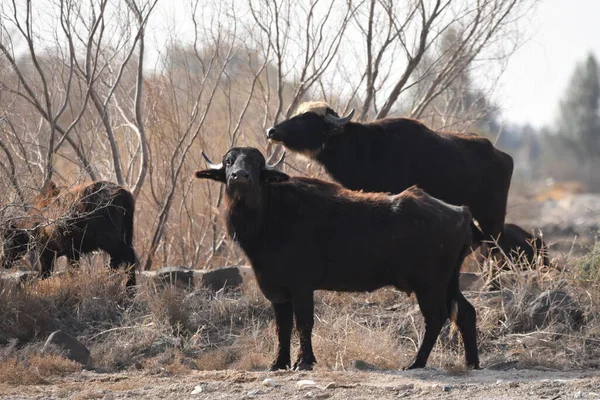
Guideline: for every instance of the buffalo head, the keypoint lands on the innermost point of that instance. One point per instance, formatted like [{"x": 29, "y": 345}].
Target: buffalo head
[
  {"x": 308, "y": 130},
  {"x": 244, "y": 171}
]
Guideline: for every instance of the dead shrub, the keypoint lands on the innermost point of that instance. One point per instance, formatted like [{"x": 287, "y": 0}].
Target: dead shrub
[{"x": 36, "y": 369}]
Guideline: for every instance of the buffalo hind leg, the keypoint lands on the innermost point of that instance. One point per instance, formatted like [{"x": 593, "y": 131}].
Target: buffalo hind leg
[
  {"x": 284, "y": 319},
  {"x": 124, "y": 254},
  {"x": 435, "y": 313},
  {"x": 304, "y": 311},
  {"x": 466, "y": 319}
]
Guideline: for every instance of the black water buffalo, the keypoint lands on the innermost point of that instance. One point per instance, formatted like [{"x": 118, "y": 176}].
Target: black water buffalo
[
  {"x": 75, "y": 221},
  {"x": 393, "y": 154},
  {"x": 303, "y": 234}
]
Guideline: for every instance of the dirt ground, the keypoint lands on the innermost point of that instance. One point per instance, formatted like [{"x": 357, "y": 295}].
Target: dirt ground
[{"x": 426, "y": 383}]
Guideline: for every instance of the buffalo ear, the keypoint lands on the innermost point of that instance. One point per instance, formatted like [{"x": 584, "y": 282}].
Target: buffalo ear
[
  {"x": 270, "y": 175},
  {"x": 214, "y": 174}
]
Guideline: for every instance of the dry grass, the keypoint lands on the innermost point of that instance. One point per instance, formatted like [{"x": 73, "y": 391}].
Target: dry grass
[
  {"x": 174, "y": 331},
  {"x": 36, "y": 369}
]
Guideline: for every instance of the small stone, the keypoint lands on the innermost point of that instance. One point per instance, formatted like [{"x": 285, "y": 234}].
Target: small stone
[
  {"x": 253, "y": 392},
  {"x": 331, "y": 385},
  {"x": 197, "y": 389},
  {"x": 513, "y": 385},
  {"x": 270, "y": 382},
  {"x": 578, "y": 394},
  {"x": 305, "y": 383},
  {"x": 446, "y": 388},
  {"x": 499, "y": 382}
]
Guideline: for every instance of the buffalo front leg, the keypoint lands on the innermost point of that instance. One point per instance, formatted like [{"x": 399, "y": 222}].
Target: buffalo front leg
[
  {"x": 435, "y": 313},
  {"x": 304, "y": 312},
  {"x": 46, "y": 263},
  {"x": 284, "y": 319}
]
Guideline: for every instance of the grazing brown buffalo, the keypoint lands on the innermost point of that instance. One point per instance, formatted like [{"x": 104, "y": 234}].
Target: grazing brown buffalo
[
  {"x": 75, "y": 221},
  {"x": 393, "y": 154},
  {"x": 303, "y": 234}
]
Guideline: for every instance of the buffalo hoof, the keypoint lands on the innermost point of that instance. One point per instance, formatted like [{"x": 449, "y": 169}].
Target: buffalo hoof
[
  {"x": 414, "y": 365},
  {"x": 278, "y": 366},
  {"x": 302, "y": 365}
]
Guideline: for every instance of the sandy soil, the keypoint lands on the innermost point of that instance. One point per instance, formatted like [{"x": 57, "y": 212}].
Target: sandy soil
[{"x": 427, "y": 383}]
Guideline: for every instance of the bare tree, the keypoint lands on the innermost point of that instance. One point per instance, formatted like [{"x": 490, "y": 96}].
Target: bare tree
[{"x": 92, "y": 62}]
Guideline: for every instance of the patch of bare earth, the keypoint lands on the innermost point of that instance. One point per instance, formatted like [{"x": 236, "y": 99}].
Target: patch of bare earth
[{"x": 426, "y": 383}]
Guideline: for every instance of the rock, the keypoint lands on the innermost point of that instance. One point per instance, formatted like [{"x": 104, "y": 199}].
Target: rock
[
  {"x": 470, "y": 281},
  {"x": 197, "y": 389},
  {"x": 360, "y": 365},
  {"x": 73, "y": 348},
  {"x": 217, "y": 279},
  {"x": 555, "y": 306},
  {"x": 253, "y": 392},
  {"x": 305, "y": 383},
  {"x": 331, "y": 385},
  {"x": 446, "y": 388},
  {"x": 226, "y": 277},
  {"x": 181, "y": 276},
  {"x": 270, "y": 382}
]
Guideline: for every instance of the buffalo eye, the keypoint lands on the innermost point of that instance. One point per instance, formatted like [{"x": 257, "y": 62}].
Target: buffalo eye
[{"x": 228, "y": 162}]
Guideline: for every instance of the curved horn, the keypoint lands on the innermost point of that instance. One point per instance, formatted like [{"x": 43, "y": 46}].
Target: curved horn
[
  {"x": 279, "y": 162},
  {"x": 339, "y": 121},
  {"x": 210, "y": 163}
]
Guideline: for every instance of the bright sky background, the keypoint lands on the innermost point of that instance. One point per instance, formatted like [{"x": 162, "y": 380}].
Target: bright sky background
[{"x": 562, "y": 33}]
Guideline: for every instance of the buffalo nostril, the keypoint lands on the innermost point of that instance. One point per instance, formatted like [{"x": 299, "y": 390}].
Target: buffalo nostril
[{"x": 240, "y": 176}]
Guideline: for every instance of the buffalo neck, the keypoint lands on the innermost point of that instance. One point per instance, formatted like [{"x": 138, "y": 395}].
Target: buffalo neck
[
  {"x": 245, "y": 222},
  {"x": 351, "y": 155}
]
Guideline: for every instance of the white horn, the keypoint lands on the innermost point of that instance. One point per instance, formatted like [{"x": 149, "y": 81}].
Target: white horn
[
  {"x": 339, "y": 121},
  {"x": 210, "y": 163},
  {"x": 279, "y": 162}
]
